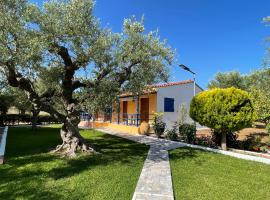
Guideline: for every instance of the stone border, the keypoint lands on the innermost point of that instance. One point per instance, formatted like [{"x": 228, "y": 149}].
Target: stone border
[
  {"x": 170, "y": 145},
  {"x": 252, "y": 153},
  {"x": 232, "y": 154},
  {"x": 3, "y": 145}
]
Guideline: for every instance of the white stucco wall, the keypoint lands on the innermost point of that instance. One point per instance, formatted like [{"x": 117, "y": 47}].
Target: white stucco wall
[{"x": 182, "y": 94}]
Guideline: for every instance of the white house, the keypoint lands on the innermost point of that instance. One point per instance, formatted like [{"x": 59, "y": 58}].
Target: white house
[{"x": 135, "y": 109}]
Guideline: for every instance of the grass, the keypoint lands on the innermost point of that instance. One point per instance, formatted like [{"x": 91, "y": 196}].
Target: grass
[
  {"x": 32, "y": 173},
  {"x": 203, "y": 175}
]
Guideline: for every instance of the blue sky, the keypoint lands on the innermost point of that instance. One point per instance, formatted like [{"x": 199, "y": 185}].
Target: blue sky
[{"x": 209, "y": 36}]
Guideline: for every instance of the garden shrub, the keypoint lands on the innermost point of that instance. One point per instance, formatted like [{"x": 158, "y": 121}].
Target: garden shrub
[
  {"x": 158, "y": 125},
  {"x": 224, "y": 110},
  {"x": 171, "y": 134},
  {"x": 205, "y": 141},
  {"x": 268, "y": 128},
  {"x": 188, "y": 132},
  {"x": 251, "y": 143},
  {"x": 12, "y": 119}
]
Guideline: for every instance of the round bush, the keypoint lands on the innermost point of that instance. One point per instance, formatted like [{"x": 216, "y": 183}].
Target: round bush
[{"x": 224, "y": 110}]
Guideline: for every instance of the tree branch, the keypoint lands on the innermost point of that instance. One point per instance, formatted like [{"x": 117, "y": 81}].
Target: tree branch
[
  {"x": 77, "y": 84},
  {"x": 125, "y": 75},
  {"x": 15, "y": 79},
  {"x": 63, "y": 53}
]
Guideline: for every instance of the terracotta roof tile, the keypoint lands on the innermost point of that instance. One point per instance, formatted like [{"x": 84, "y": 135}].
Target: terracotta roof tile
[
  {"x": 152, "y": 88},
  {"x": 171, "y": 84}
]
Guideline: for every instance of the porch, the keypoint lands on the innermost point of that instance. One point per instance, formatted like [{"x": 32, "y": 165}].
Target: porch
[{"x": 126, "y": 115}]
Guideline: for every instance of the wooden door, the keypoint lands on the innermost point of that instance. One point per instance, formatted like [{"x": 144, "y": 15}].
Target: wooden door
[
  {"x": 125, "y": 107},
  {"x": 144, "y": 110}
]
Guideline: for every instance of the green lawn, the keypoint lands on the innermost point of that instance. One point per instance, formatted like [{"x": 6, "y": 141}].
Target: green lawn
[
  {"x": 31, "y": 173},
  {"x": 202, "y": 175}
]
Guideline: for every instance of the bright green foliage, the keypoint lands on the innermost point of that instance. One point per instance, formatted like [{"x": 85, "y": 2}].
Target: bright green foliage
[
  {"x": 261, "y": 102},
  {"x": 256, "y": 83},
  {"x": 224, "y": 110}
]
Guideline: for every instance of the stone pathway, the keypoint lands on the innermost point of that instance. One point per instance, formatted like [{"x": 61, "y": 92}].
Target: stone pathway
[{"x": 155, "y": 181}]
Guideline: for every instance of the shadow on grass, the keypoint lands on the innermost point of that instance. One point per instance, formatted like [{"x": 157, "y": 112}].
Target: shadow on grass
[
  {"x": 112, "y": 150},
  {"x": 185, "y": 153},
  {"x": 24, "y": 141},
  {"x": 28, "y": 164}
]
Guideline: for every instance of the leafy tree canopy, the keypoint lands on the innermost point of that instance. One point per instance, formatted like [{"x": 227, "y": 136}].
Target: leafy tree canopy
[
  {"x": 224, "y": 110},
  {"x": 226, "y": 80},
  {"x": 62, "y": 47}
]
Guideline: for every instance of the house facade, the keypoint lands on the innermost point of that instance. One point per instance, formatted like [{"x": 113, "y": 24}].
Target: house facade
[{"x": 131, "y": 110}]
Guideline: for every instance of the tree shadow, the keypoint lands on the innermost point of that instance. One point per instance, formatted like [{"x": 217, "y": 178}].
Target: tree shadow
[
  {"x": 24, "y": 141},
  {"x": 112, "y": 150},
  {"x": 28, "y": 161},
  {"x": 187, "y": 153}
]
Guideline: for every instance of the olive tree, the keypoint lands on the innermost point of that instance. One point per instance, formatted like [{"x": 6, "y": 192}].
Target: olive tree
[
  {"x": 63, "y": 45},
  {"x": 227, "y": 79},
  {"x": 224, "y": 110}
]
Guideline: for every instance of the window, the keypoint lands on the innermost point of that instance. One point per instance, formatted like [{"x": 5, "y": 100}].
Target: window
[{"x": 168, "y": 105}]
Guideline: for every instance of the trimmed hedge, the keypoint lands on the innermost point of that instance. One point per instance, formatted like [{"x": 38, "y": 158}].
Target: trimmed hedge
[
  {"x": 224, "y": 110},
  {"x": 12, "y": 119}
]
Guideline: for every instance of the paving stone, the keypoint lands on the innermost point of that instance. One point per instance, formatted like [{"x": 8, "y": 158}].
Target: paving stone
[{"x": 155, "y": 181}]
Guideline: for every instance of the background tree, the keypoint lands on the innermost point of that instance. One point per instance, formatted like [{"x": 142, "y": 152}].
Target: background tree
[
  {"x": 21, "y": 101},
  {"x": 261, "y": 102},
  {"x": 257, "y": 83},
  {"x": 224, "y": 110},
  {"x": 228, "y": 79},
  {"x": 23, "y": 104},
  {"x": 61, "y": 41},
  {"x": 6, "y": 101}
]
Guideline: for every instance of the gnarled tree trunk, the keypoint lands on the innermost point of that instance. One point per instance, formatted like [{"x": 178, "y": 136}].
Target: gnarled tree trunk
[
  {"x": 35, "y": 114},
  {"x": 72, "y": 140}
]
